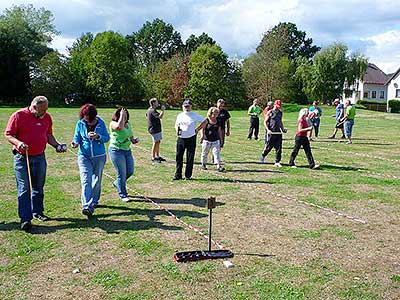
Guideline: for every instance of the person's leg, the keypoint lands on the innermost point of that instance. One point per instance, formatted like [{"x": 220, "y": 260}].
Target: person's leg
[
  {"x": 334, "y": 133},
  {"x": 251, "y": 129},
  {"x": 216, "y": 150},
  {"x": 268, "y": 147},
  {"x": 278, "y": 148},
  {"x": 316, "y": 126},
  {"x": 157, "y": 149},
  {"x": 205, "y": 149},
  {"x": 23, "y": 190},
  {"x": 118, "y": 160},
  {"x": 297, "y": 145},
  {"x": 190, "y": 152},
  {"x": 307, "y": 149},
  {"x": 86, "y": 172},
  {"x": 130, "y": 164},
  {"x": 256, "y": 128},
  {"x": 153, "y": 150},
  {"x": 38, "y": 171},
  {"x": 180, "y": 149},
  {"x": 98, "y": 166}
]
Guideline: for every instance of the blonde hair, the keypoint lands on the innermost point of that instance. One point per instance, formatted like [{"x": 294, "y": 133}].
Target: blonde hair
[
  {"x": 302, "y": 112},
  {"x": 211, "y": 110}
]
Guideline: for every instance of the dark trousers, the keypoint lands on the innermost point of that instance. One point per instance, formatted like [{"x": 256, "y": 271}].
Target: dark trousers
[
  {"x": 254, "y": 126},
  {"x": 302, "y": 141},
  {"x": 315, "y": 124},
  {"x": 274, "y": 141},
  {"x": 182, "y": 144}
]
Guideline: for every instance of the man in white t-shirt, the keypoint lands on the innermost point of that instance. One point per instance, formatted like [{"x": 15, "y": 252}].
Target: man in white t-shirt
[{"x": 185, "y": 126}]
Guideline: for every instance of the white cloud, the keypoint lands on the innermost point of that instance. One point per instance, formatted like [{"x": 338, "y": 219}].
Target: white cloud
[
  {"x": 61, "y": 43},
  {"x": 383, "y": 50}
]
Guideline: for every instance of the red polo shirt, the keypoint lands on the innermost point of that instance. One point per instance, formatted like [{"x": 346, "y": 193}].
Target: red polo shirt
[{"x": 31, "y": 130}]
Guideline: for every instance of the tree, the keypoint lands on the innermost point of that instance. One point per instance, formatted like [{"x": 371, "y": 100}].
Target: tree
[
  {"x": 324, "y": 79},
  {"x": 208, "y": 69},
  {"x": 193, "y": 42},
  {"x": 236, "y": 96},
  {"x": 25, "y": 33},
  {"x": 153, "y": 42},
  {"x": 110, "y": 72},
  {"x": 52, "y": 77},
  {"x": 357, "y": 65}
]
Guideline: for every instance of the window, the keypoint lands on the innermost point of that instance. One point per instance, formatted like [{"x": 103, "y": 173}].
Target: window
[
  {"x": 373, "y": 95},
  {"x": 366, "y": 95},
  {"x": 397, "y": 93},
  {"x": 382, "y": 94}
]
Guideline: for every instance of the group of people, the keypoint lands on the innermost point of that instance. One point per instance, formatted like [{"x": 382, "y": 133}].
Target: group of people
[
  {"x": 345, "y": 114},
  {"x": 30, "y": 129}
]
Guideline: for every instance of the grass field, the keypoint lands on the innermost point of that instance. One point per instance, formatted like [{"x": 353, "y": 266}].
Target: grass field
[{"x": 332, "y": 233}]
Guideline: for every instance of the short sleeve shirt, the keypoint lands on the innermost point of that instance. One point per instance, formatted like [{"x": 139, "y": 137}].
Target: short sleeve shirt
[
  {"x": 153, "y": 121},
  {"x": 31, "y": 130},
  {"x": 186, "y": 121},
  {"x": 223, "y": 116}
]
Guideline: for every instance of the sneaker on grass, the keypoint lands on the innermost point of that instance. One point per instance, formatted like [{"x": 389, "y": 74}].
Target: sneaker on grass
[{"x": 278, "y": 165}]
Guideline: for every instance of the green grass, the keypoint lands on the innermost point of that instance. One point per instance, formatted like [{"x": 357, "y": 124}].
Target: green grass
[{"x": 284, "y": 249}]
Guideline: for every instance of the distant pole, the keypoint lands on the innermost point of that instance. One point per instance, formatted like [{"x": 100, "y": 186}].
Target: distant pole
[{"x": 211, "y": 203}]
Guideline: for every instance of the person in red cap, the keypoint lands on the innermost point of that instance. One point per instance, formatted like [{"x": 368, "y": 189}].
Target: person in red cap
[{"x": 274, "y": 129}]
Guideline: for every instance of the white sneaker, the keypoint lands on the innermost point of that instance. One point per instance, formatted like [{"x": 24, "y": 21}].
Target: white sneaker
[
  {"x": 262, "y": 159},
  {"x": 278, "y": 165},
  {"x": 315, "y": 167},
  {"x": 293, "y": 167},
  {"x": 125, "y": 199}
]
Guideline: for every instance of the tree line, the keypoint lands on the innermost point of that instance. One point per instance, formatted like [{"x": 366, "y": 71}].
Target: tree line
[{"x": 109, "y": 68}]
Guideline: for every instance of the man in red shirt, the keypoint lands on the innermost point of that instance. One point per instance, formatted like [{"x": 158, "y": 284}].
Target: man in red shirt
[{"x": 29, "y": 130}]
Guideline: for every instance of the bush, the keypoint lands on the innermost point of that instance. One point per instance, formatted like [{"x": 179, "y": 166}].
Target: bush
[
  {"x": 363, "y": 102},
  {"x": 394, "y": 105}
]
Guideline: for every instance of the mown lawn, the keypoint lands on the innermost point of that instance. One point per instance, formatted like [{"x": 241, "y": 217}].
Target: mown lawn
[{"x": 331, "y": 233}]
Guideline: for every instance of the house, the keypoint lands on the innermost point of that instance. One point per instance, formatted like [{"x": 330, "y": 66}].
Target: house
[{"x": 376, "y": 85}]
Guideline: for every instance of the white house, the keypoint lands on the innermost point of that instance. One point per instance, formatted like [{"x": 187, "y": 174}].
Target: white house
[{"x": 376, "y": 85}]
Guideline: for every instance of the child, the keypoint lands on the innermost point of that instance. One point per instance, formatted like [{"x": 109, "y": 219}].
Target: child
[{"x": 211, "y": 137}]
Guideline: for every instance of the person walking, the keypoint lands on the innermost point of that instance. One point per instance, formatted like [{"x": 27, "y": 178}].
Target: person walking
[
  {"x": 254, "y": 112},
  {"x": 90, "y": 135},
  {"x": 223, "y": 121},
  {"x": 29, "y": 130},
  {"x": 185, "y": 126},
  {"x": 315, "y": 113},
  {"x": 119, "y": 150},
  {"x": 154, "y": 127},
  {"x": 301, "y": 140},
  {"x": 350, "y": 113},
  {"x": 211, "y": 137},
  {"x": 339, "y": 115},
  {"x": 274, "y": 129}
]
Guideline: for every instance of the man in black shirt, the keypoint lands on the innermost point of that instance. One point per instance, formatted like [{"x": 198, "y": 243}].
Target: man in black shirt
[
  {"x": 154, "y": 128},
  {"x": 223, "y": 118}
]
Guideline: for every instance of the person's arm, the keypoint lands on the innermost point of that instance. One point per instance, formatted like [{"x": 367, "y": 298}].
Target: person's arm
[
  {"x": 201, "y": 126},
  {"x": 300, "y": 127},
  {"x": 16, "y": 142},
  {"x": 266, "y": 121},
  {"x": 118, "y": 125},
  {"x": 51, "y": 140},
  {"x": 103, "y": 135},
  {"x": 220, "y": 134},
  {"x": 162, "y": 112},
  {"x": 249, "y": 111},
  {"x": 228, "y": 128}
]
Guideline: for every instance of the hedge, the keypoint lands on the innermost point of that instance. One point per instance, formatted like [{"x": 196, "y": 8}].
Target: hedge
[{"x": 394, "y": 105}]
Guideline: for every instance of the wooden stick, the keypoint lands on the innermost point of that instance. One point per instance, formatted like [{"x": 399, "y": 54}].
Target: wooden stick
[{"x": 29, "y": 171}]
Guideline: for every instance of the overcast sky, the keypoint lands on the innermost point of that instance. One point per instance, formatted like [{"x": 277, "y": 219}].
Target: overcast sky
[{"x": 370, "y": 26}]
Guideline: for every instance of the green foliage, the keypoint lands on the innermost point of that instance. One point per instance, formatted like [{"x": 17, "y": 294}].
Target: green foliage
[
  {"x": 193, "y": 42},
  {"x": 236, "y": 96},
  {"x": 110, "y": 72},
  {"x": 208, "y": 68},
  {"x": 394, "y": 105},
  {"x": 155, "y": 41}
]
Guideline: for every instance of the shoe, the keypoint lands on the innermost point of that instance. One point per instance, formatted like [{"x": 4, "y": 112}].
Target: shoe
[
  {"x": 349, "y": 142},
  {"x": 220, "y": 169},
  {"x": 40, "y": 217},
  {"x": 293, "y": 167},
  {"x": 26, "y": 226},
  {"x": 124, "y": 199},
  {"x": 343, "y": 137},
  {"x": 188, "y": 178},
  {"x": 249, "y": 138},
  {"x": 161, "y": 158},
  {"x": 315, "y": 167},
  {"x": 156, "y": 160},
  {"x": 278, "y": 165},
  {"x": 311, "y": 139},
  {"x": 262, "y": 159},
  {"x": 331, "y": 137},
  {"x": 87, "y": 212},
  {"x": 256, "y": 138},
  {"x": 203, "y": 167},
  {"x": 177, "y": 178},
  {"x": 114, "y": 184}
]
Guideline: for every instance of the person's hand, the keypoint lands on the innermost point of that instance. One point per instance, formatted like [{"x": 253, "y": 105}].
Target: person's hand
[
  {"x": 93, "y": 135},
  {"x": 162, "y": 107},
  {"x": 74, "y": 145},
  {"x": 61, "y": 148},
  {"x": 284, "y": 130},
  {"x": 228, "y": 133},
  {"x": 22, "y": 146}
]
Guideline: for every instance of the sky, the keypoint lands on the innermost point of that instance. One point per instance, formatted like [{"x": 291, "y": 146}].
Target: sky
[{"x": 371, "y": 27}]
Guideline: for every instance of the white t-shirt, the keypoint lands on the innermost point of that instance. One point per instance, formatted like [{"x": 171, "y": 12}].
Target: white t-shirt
[{"x": 186, "y": 121}]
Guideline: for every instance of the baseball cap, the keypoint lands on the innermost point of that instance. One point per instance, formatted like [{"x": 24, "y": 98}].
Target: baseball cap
[
  {"x": 187, "y": 103},
  {"x": 278, "y": 103}
]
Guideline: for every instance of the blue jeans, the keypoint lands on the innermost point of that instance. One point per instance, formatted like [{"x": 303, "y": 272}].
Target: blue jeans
[
  {"x": 315, "y": 124},
  {"x": 30, "y": 202},
  {"x": 348, "y": 127},
  {"x": 124, "y": 165},
  {"x": 91, "y": 171}
]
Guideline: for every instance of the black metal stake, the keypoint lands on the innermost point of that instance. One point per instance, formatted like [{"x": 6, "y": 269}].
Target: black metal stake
[{"x": 209, "y": 231}]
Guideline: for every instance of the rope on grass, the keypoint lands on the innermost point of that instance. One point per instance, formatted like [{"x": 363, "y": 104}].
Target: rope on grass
[
  {"x": 289, "y": 197},
  {"x": 160, "y": 207}
]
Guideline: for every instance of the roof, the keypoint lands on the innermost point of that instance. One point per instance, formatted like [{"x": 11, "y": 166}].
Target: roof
[
  {"x": 374, "y": 75},
  {"x": 392, "y": 76}
]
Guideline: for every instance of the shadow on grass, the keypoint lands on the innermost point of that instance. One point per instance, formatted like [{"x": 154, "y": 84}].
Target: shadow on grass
[
  {"x": 229, "y": 180},
  {"x": 200, "y": 202},
  {"x": 256, "y": 254},
  {"x": 332, "y": 141},
  {"x": 342, "y": 168},
  {"x": 252, "y": 171},
  {"x": 101, "y": 221}
]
